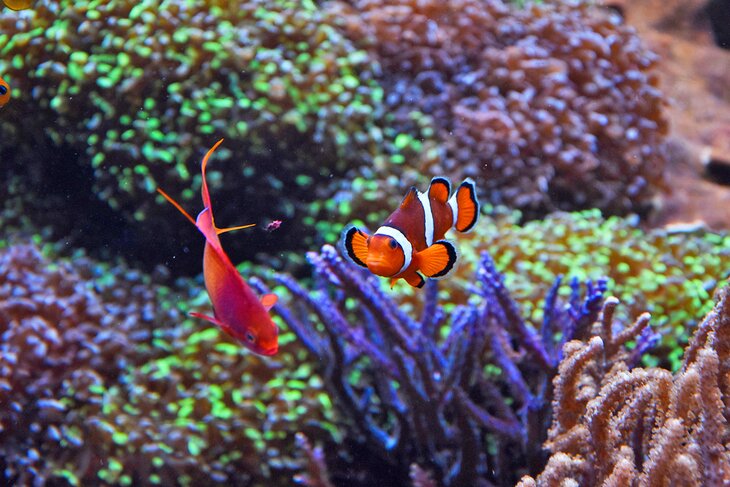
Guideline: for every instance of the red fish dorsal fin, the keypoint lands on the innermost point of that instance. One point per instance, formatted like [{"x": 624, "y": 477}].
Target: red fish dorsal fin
[
  {"x": 439, "y": 189},
  {"x": 410, "y": 197}
]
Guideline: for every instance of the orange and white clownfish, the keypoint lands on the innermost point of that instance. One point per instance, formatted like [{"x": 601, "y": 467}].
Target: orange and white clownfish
[
  {"x": 18, "y": 4},
  {"x": 4, "y": 92},
  {"x": 410, "y": 243}
]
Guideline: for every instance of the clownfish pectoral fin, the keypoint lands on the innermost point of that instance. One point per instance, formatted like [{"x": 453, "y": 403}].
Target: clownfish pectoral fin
[
  {"x": 410, "y": 197},
  {"x": 465, "y": 206},
  {"x": 356, "y": 245},
  {"x": 268, "y": 301},
  {"x": 440, "y": 189},
  {"x": 438, "y": 259}
]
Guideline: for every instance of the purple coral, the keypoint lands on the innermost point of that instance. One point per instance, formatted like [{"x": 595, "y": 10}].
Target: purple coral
[{"x": 462, "y": 393}]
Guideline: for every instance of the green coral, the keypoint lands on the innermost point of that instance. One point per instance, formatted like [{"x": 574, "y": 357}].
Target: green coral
[
  {"x": 143, "y": 89},
  {"x": 670, "y": 274},
  {"x": 114, "y": 386}
]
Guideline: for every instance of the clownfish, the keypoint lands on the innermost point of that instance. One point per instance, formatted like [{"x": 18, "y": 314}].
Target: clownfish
[
  {"x": 18, "y": 4},
  {"x": 4, "y": 92},
  {"x": 410, "y": 243},
  {"x": 237, "y": 310}
]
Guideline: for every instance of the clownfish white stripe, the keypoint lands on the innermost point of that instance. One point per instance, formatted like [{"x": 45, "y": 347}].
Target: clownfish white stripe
[
  {"x": 401, "y": 240},
  {"x": 454, "y": 209},
  {"x": 427, "y": 218}
]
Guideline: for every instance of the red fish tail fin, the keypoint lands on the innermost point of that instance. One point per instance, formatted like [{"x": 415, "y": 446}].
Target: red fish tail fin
[
  {"x": 465, "y": 206},
  {"x": 176, "y": 205},
  {"x": 204, "y": 190}
]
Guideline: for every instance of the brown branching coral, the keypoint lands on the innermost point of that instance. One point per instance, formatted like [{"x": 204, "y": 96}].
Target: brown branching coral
[
  {"x": 614, "y": 425},
  {"x": 549, "y": 107}
]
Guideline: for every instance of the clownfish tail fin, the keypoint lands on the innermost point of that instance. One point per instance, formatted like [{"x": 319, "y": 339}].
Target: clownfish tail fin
[
  {"x": 465, "y": 206},
  {"x": 438, "y": 259},
  {"x": 355, "y": 243},
  {"x": 439, "y": 189}
]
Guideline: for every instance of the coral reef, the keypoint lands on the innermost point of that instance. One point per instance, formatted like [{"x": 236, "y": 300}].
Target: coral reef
[
  {"x": 614, "y": 425},
  {"x": 462, "y": 393},
  {"x": 671, "y": 274},
  {"x": 142, "y": 88},
  {"x": 104, "y": 381},
  {"x": 551, "y": 106}
]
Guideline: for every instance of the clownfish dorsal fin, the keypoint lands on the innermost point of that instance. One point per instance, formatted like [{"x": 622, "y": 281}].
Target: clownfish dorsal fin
[
  {"x": 410, "y": 197},
  {"x": 440, "y": 189},
  {"x": 355, "y": 242},
  {"x": 438, "y": 259}
]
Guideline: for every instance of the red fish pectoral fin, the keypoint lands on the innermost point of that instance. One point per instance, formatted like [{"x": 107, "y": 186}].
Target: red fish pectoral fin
[
  {"x": 215, "y": 321},
  {"x": 205, "y": 317},
  {"x": 438, "y": 259},
  {"x": 176, "y": 205},
  {"x": 268, "y": 301},
  {"x": 439, "y": 189},
  {"x": 356, "y": 245},
  {"x": 467, "y": 205}
]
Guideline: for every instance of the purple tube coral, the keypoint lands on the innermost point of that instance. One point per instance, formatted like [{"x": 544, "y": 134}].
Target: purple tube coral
[{"x": 462, "y": 393}]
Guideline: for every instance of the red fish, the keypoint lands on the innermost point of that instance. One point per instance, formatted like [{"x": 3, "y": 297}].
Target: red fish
[
  {"x": 4, "y": 92},
  {"x": 410, "y": 244},
  {"x": 237, "y": 310}
]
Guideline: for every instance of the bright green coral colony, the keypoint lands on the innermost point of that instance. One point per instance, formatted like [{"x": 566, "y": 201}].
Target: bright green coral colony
[{"x": 671, "y": 275}]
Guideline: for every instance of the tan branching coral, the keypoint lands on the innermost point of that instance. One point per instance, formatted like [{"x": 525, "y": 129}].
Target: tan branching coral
[{"x": 614, "y": 425}]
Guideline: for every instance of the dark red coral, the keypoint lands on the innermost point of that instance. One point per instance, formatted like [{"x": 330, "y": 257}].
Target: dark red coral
[{"x": 552, "y": 106}]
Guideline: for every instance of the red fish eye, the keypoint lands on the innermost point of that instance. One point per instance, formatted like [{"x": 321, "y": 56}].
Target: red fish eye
[
  {"x": 393, "y": 244},
  {"x": 250, "y": 337}
]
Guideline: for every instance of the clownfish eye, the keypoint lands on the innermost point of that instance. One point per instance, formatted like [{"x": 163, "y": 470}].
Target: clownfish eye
[
  {"x": 392, "y": 243},
  {"x": 3, "y": 90},
  {"x": 250, "y": 337}
]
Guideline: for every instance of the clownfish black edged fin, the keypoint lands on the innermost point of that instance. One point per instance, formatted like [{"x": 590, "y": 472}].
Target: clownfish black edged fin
[
  {"x": 410, "y": 197},
  {"x": 440, "y": 189},
  {"x": 356, "y": 245},
  {"x": 438, "y": 259},
  {"x": 415, "y": 280},
  {"x": 467, "y": 205}
]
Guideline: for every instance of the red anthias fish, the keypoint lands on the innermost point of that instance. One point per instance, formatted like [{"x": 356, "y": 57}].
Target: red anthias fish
[
  {"x": 237, "y": 310},
  {"x": 410, "y": 243}
]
